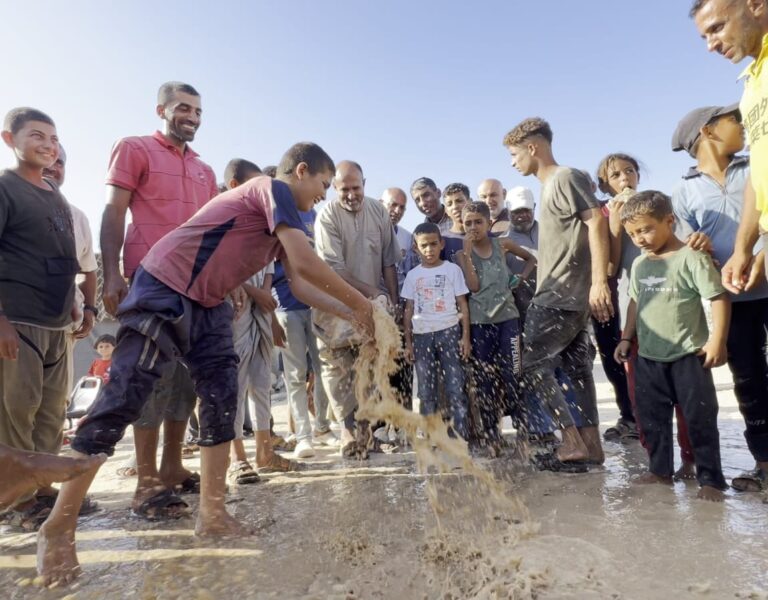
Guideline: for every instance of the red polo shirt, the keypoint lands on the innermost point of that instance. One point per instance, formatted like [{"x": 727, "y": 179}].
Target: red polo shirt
[{"x": 168, "y": 188}]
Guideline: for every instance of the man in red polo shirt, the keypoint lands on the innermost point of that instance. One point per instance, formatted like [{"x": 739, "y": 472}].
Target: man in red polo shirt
[{"x": 161, "y": 180}]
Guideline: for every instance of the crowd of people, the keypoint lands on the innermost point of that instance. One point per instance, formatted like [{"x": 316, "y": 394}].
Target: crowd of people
[{"x": 498, "y": 304}]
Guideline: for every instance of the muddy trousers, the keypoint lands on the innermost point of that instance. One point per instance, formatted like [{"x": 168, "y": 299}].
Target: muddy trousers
[
  {"x": 684, "y": 382},
  {"x": 157, "y": 326}
]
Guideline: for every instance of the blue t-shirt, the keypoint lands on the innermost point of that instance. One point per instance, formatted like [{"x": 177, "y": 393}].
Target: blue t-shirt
[{"x": 281, "y": 291}]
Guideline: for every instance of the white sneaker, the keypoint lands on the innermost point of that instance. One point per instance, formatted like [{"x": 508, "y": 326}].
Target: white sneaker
[
  {"x": 327, "y": 438},
  {"x": 304, "y": 449}
]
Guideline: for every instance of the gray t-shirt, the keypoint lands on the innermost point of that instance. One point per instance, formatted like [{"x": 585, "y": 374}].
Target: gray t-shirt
[
  {"x": 38, "y": 261},
  {"x": 564, "y": 263}
]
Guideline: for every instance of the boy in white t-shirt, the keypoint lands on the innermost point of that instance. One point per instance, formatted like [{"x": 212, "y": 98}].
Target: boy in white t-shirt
[{"x": 436, "y": 300}]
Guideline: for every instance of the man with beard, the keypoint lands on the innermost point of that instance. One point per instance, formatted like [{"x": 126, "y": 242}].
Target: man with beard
[
  {"x": 161, "y": 180},
  {"x": 491, "y": 192},
  {"x": 354, "y": 236}
]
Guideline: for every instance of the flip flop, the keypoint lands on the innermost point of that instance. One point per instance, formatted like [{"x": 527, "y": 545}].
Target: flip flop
[
  {"x": 127, "y": 472},
  {"x": 191, "y": 485},
  {"x": 755, "y": 480},
  {"x": 32, "y": 518},
  {"x": 549, "y": 462},
  {"x": 157, "y": 507}
]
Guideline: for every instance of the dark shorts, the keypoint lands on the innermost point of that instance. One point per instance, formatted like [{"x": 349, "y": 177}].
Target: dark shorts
[{"x": 159, "y": 326}]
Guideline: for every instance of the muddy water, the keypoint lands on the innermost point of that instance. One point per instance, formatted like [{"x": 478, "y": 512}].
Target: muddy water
[{"x": 349, "y": 530}]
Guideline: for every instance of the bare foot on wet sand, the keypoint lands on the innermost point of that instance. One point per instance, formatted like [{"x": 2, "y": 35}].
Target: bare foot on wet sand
[
  {"x": 571, "y": 454},
  {"x": 56, "y": 556},
  {"x": 24, "y": 471},
  {"x": 649, "y": 477},
  {"x": 707, "y": 492},
  {"x": 220, "y": 524},
  {"x": 686, "y": 472}
]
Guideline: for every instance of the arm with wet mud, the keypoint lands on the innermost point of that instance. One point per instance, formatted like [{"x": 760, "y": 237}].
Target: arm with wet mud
[
  {"x": 316, "y": 284},
  {"x": 408, "y": 331},
  {"x": 621, "y": 354},
  {"x": 468, "y": 267}
]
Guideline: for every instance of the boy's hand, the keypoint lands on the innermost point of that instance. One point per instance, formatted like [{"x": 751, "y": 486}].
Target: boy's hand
[
  {"x": 699, "y": 241},
  {"x": 621, "y": 354},
  {"x": 714, "y": 355},
  {"x": 239, "y": 299},
  {"x": 467, "y": 246},
  {"x": 408, "y": 352},
  {"x": 363, "y": 318},
  {"x": 9, "y": 340},
  {"x": 600, "y": 302},
  {"x": 85, "y": 327},
  {"x": 756, "y": 271},
  {"x": 278, "y": 334},
  {"x": 114, "y": 291},
  {"x": 264, "y": 300},
  {"x": 466, "y": 348}
]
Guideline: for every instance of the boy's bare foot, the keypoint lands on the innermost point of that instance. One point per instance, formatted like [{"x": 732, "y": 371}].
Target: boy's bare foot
[
  {"x": 707, "y": 492},
  {"x": 649, "y": 477},
  {"x": 23, "y": 471},
  {"x": 591, "y": 438},
  {"x": 573, "y": 447},
  {"x": 686, "y": 472},
  {"x": 56, "y": 556},
  {"x": 219, "y": 523}
]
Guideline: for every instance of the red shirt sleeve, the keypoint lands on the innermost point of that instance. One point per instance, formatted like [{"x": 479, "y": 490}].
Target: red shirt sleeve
[{"x": 128, "y": 164}]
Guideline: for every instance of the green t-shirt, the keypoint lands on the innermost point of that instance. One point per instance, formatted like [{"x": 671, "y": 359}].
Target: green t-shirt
[
  {"x": 668, "y": 292},
  {"x": 493, "y": 302}
]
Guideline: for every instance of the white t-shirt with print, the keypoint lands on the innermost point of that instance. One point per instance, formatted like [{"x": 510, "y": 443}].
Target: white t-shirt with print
[{"x": 434, "y": 291}]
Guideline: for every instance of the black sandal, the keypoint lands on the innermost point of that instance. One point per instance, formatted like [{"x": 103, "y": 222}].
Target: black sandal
[
  {"x": 157, "y": 507},
  {"x": 755, "y": 480},
  {"x": 550, "y": 462}
]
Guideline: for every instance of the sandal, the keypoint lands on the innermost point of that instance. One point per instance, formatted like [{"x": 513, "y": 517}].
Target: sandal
[
  {"x": 188, "y": 450},
  {"x": 242, "y": 473},
  {"x": 32, "y": 518},
  {"x": 549, "y": 462},
  {"x": 191, "y": 485},
  {"x": 755, "y": 480},
  {"x": 278, "y": 464},
  {"x": 158, "y": 507},
  {"x": 127, "y": 472},
  {"x": 623, "y": 430},
  {"x": 280, "y": 443}
]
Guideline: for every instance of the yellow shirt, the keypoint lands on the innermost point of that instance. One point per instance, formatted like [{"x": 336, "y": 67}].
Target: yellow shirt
[{"x": 754, "y": 112}]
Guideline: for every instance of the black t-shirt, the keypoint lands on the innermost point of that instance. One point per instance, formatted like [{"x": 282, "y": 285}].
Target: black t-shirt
[{"x": 38, "y": 262}]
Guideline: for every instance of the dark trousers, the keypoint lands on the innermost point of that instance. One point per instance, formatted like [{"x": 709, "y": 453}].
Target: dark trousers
[
  {"x": 747, "y": 361},
  {"x": 497, "y": 354},
  {"x": 158, "y": 325},
  {"x": 661, "y": 385},
  {"x": 608, "y": 336}
]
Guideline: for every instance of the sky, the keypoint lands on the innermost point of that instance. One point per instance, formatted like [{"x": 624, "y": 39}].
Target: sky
[{"x": 406, "y": 88}]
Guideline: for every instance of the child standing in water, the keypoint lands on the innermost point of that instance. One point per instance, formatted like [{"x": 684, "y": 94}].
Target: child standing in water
[
  {"x": 495, "y": 323},
  {"x": 676, "y": 351},
  {"x": 433, "y": 337}
]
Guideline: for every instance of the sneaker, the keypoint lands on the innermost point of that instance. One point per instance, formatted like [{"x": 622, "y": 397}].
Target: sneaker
[
  {"x": 326, "y": 438},
  {"x": 304, "y": 449}
]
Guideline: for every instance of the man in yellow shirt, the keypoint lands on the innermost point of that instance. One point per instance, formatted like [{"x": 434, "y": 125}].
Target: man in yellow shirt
[{"x": 736, "y": 29}]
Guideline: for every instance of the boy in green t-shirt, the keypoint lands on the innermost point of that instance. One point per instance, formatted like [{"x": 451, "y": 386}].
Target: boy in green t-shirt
[{"x": 676, "y": 351}]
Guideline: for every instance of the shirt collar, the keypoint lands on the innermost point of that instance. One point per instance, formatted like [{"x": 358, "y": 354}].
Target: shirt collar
[
  {"x": 753, "y": 69},
  {"x": 735, "y": 162},
  {"x": 189, "y": 153}
]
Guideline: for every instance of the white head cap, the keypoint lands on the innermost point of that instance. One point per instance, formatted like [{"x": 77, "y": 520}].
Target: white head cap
[{"x": 519, "y": 197}]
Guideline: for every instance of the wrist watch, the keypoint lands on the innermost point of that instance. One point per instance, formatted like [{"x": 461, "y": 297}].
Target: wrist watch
[{"x": 93, "y": 309}]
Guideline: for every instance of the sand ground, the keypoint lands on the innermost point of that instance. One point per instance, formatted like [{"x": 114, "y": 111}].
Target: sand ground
[{"x": 344, "y": 529}]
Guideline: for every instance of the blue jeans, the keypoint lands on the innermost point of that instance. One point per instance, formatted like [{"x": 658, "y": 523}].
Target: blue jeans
[
  {"x": 434, "y": 353},
  {"x": 496, "y": 348},
  {"x": 540, "y": 422}
]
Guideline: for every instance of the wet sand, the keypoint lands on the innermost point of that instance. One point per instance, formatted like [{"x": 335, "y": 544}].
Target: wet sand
[{"x": 343, "y": 529}]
